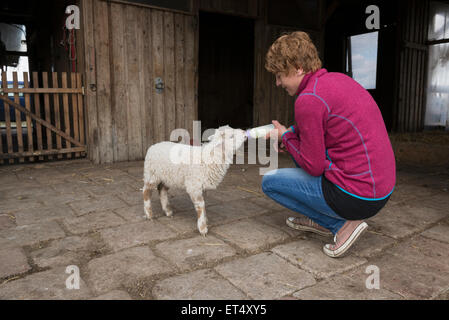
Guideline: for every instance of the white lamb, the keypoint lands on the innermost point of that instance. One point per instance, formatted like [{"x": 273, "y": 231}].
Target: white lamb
[{"x": 193, "y": 168}]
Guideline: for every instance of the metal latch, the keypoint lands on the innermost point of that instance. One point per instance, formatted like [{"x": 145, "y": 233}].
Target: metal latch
[{"x": 159, "y": 85}]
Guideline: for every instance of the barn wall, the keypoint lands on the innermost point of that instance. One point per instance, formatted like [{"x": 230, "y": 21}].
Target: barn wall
[
  {"x": 409, "y": 113},
  {"x": 271, "y": 102},
  {"x": 126, "y": 48},
  {"x": 237, "y": 7}
]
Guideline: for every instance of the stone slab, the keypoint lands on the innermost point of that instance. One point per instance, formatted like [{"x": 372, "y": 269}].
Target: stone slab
[
  {"x": 7, "y": 221},
  {"x": 439, "y": 232},
  {"x": 278, "y": 220},
  {"x": 411, "y": 281},
  {"x": 114, "y": 295},
  {"x": 345, "y": 288},
  {"x": 181, "y": 222},
  {"x": 30, "y": 234},
  {"x": 308, "y": 254},
  {"x": 131, "y": 235},
  {"x": 64, "y": 252},
  {"x": 428, "y": 253},
  {"x": 46, "y": 213},
  {"x": 250, "y": 235},
  {"x": 47, "y": 285},
  {"x": 92, "y": 222},
  {"x": 371, "y": 244},
  {"x": 195, "y": 252},
  {"x": 12, "y": 262},
  {"x": 122, "y": 268},
  {"x": 135, "y": 213},
  {"x": 232, "y": 211},
  {"x": 265, "y": 276},
  {"x": 102, "y": 203},
  {"x": 197, "y": 285},
  {"x": 404, "y": 220}
]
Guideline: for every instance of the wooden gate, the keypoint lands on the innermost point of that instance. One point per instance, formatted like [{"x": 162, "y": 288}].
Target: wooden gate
[{"x": 39, "y": 120}]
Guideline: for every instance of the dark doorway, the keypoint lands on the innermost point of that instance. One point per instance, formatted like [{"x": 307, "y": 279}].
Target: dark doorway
[
  {"x": 226, "y": 65},
  {"x": 344, "y": 26}
]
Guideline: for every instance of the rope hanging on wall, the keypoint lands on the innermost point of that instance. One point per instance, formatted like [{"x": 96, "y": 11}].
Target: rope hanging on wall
[{"x": 69, "y": 43}]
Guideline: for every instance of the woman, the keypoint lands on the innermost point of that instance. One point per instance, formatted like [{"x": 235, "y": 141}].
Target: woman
[{"x": 345, "y": 163}]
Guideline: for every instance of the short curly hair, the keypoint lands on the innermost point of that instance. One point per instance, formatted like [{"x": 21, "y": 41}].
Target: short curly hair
[{"x": 293, "y": 51}]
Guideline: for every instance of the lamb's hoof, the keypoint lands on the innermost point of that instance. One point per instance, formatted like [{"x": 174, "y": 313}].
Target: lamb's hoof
[
  {"x": 204, "y": 232},
  {"x": 169, "y": 214},
  {"x": 148, "y": 218}
]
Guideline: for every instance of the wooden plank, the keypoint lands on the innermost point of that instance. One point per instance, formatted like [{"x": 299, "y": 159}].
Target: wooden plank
[
  {"x": 41, "y": 153},
  {"x": 103, "y": 64},
  {"x": 148, "y": 81},
  {"x": 253, "y": 8},
  {"x": 142, "y": 56},
  {"x": 158, "y": 71},
  {"x": 81, "y": 120},
  {"x": 65, "y": 101},
  {"x": 9, "y": 142},
  {"x": 75, "y": 116},
  {"x": 57, "y": 111},
  {"x": 41, "y": 121},
  {"x": 169, "y": 71},
  {"x": 259, "y": 74},
  {"x": 143, "y": 6},
  {"x": 180, "y": 71},
  {"x": 18, "y": 117},
  {"x": 90, "y": 81},
  {"x": 132, "y": 80},
  {"x": 47, "y": 112},
  {"x": 42, "y": 90},
  {"x": 28, "y": 118},
  {"x": 37, "y": 110},
  {"x": 119, "y": 83},
  {"x": 191, "y": 72}
]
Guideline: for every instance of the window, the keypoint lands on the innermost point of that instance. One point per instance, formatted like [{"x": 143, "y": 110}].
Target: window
[
  {"x": 361, "y": 59},
  {"x": 13, "y": 42},
  {"x": 437, "y": 104}
]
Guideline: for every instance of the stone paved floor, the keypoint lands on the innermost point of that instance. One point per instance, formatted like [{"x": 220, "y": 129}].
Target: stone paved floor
[{"x": 59, "y": 214}]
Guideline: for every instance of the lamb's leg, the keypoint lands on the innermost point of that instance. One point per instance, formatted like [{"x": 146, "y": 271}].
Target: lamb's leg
[
  {"x": 163, "y": 196},
  {"x": 147, "y": 200},
  {"x": 200, "y": 207}
]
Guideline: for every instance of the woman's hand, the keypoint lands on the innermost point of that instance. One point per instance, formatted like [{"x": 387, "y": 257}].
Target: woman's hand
[{"x": 277, "y": 133}]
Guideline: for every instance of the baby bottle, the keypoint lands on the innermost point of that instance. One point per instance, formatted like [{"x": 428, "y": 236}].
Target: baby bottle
[{"x": 259, "y": 132}]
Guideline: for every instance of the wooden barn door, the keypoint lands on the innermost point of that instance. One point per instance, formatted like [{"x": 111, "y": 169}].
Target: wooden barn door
[
  {"x": 41, "y": 120},
  {"x": 141, "y": 77}
]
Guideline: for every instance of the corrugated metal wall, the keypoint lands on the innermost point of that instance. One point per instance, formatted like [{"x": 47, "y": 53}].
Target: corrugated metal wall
[{"x": 409, "y": 114}]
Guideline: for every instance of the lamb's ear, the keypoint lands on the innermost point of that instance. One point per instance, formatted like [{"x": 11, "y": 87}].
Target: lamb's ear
[{"x": 212, "y": 136}]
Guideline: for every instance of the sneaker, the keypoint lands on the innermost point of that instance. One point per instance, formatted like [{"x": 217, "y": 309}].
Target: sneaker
[
  {"x": 345, "y": 238},
  {"x": 306, "y": 224}
]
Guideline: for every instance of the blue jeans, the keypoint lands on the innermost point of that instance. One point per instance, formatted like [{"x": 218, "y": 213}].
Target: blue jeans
[{"x": 295, "y": 189}]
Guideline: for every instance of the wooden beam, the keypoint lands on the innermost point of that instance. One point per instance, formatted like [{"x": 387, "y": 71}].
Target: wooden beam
[
  {"x": 42, "y": 90},
  {"x": 43, "y": 122},
  {"x": 41, "y": 153}
]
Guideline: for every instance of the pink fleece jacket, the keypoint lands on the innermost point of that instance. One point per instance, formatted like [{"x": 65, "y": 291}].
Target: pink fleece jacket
[{"x": 340, "y": 132}]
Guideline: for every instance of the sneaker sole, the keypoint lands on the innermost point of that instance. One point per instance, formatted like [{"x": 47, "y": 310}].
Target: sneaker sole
[
  {"x": 354, "y": 236},
  {"x": 308, "y": 229}
]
